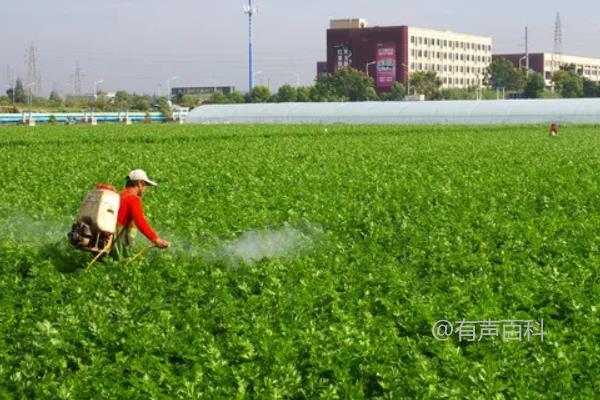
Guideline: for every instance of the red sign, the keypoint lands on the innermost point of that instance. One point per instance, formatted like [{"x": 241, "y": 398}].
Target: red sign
[{"x": 386, "y": 65}]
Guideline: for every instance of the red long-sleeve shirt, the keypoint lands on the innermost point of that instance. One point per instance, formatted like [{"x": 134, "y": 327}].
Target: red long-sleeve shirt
[{"x": 131, "y": 212}]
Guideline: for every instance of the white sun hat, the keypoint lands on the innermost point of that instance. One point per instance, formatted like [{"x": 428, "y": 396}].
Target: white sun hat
[{"x": 140, "y": 175}]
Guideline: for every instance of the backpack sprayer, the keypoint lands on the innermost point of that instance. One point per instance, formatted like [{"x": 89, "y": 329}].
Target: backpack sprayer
[{"x": 96, "y": 224}]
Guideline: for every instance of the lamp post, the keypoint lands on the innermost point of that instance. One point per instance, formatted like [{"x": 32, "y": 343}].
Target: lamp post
[
  {"x": 297, "y": 79},
  {"x": 254, "y": 77},
  {"x": 96, "y": 88},
  {"x": 30, "y": 86},
  {"x": 214, "y": 82},
  {"x": 368, "y": 65},
  {"x": 407, "y": 78},
  {"x": 169, "y": 87}
]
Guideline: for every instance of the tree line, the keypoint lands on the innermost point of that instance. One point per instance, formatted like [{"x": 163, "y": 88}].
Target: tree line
[
  {"x": 19, "y": 98},
  {"x": 346, "y": 84},
  {"x": 352, "y": 85}
]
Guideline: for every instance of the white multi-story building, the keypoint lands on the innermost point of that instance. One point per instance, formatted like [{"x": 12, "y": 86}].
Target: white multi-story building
[
  {"x": 459, "y": 60},
  {"x": 548, "y": 63}
]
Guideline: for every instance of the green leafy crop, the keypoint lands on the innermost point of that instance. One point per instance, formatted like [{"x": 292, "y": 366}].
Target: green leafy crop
[{"x": 392, "y": 229}]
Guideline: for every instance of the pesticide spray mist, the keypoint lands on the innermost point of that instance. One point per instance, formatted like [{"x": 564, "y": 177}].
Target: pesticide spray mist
[
  {"x": 25, "y": 229},
  {"x": 248, "y": 248},
  {"x": 254, "y": 245}
]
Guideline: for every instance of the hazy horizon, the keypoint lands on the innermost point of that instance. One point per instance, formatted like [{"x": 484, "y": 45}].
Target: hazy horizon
[{"x": 137, "y": 46}]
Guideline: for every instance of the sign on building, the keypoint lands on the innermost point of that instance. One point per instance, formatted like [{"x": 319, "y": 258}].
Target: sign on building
[{"x": 386, "y": 65}]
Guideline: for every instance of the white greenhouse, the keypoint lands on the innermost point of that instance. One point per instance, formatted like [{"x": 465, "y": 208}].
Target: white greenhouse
[{"x": 569, "y": 111}]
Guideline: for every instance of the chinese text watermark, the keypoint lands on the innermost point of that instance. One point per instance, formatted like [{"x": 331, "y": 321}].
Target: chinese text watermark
[{"x": 476, "y": 331}]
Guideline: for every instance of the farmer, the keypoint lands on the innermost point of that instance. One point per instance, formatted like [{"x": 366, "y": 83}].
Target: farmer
[{"x": 131, "y": 212}]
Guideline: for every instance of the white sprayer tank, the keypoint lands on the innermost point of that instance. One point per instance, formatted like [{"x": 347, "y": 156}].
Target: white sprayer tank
[{"x": 100, "y": 208}]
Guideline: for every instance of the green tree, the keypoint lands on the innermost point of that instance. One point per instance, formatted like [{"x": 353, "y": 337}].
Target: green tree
[
  {"x": 568, "y": 83},
  {"x": 123, "y": 100},
  {"x": 287, "y": 94},
  {"x": 260, "y": 94},
  {"x": 590, "y": 88},
  {"x": 503, "y": 74},
  {"x": 534, "y": 87},
  {"x": 217, "y": 98},
  {"x": 304, "y": 94},
  {"x": 188, "y": 100},
  {"x": 426, "y": 83},
  {"x": 162, "y": 103},
  {"x": 19, "y": 93},
  {"x": 396, "y": 93},
  {"x": 55, "y": 99},
  {"x": 102, "y": 102},
  {"x": 346, "y": 84},
  {"x": 141, "y": 103},
  {"x": 236, "y": 97}
]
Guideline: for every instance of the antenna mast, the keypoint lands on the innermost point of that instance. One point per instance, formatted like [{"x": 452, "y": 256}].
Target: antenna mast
[{"x": 250, "y": 10}]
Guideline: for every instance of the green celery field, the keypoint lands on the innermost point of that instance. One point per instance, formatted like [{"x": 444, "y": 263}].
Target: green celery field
[{"x": 308, "y": 262}]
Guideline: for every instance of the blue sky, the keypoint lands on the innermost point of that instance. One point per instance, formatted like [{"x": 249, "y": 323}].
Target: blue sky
[{"x": 138, "y": 44}]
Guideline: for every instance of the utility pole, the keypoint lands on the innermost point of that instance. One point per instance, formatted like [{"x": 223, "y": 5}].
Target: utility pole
[
  {"x": 250, "y": 10},
  {"x": 11, "y": 82},
  {"x": 527, "y": 50}
]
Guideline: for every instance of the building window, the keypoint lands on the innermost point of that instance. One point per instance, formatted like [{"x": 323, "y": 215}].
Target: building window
[
  {"x": 420, "y": 40},
  {"x": 412, "y": 39}
]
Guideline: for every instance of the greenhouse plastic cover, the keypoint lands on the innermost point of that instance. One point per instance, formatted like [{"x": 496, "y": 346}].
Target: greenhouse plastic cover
[{"x": 576, "y": 111}]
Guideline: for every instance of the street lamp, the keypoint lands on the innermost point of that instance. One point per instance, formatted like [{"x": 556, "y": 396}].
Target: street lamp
[
  {"x": 368, "y": 65},
  {"x": 169, "y": 87},
  {"x": 30, "y": 86},
  {"x": 297, "y": 78},
  {"x": 520, "y": 61},
  {"x": 214, "y": 82},
  {"x": 96, "y": 88},
  {"x": 407, "y": 78},
  {"x": 256, "y": 74}
]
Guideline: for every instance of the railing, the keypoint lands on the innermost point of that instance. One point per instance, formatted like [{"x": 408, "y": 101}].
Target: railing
[{"x": 84, "y": 117}]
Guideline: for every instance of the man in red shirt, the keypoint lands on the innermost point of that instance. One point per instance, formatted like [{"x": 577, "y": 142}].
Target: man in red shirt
[{"x": 131, "y": 213}]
